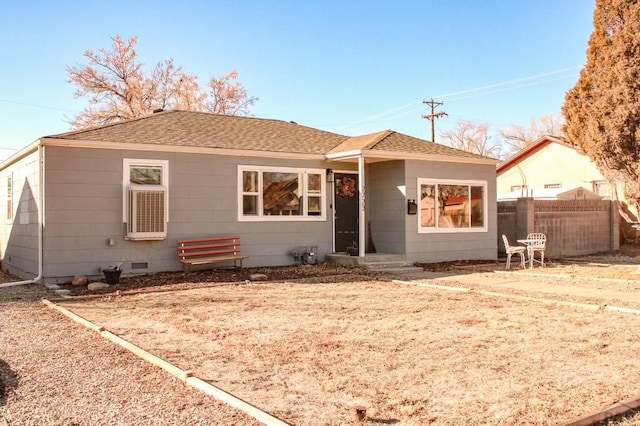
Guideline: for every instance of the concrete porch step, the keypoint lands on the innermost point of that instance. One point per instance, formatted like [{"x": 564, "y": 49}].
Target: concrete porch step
[
  {"x": 369, "y": 258},
  {"x": 408, "y": 270},
  {"x": 386, "y": 265},
  {"x": 382, "y": 262}
]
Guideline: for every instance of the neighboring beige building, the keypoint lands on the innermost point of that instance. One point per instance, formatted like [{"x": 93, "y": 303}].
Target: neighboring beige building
[
  {"x": 549, "y": 163},
  {"x": 552, "y": 168}
]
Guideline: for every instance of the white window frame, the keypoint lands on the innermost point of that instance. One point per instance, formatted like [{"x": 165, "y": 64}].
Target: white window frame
[
  {"x": 436, "y": 228},
  {"x": 598, "y": 184},
  {"x": 304, "y": 173},
  {"x": 127, "y": 163}
]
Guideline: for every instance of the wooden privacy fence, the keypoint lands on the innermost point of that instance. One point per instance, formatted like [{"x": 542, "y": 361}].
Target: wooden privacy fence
[{"x": 572, "y": 227}]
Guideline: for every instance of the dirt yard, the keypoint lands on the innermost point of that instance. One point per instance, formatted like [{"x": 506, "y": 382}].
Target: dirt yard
[
  {"x": 620, "y": 265},
  {"x": 308, "y": 353},
  {"x": 315, "y": 341}
]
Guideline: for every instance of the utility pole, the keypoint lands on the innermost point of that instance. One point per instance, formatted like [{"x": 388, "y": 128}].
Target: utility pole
[{"x": 432, "y": 117}]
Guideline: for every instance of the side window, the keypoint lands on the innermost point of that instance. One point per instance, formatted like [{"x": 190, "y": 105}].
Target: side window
[
  {"x": 140, "y": 174},
  {"x": 145, "y": 198},
  {"x": 452, "y": 206},
  {"x": 314, "y": 194},
  {"x": 602, "y": 188}
]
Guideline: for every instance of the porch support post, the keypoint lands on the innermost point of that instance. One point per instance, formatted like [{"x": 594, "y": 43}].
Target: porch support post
[{"x": 361, "y": 217}]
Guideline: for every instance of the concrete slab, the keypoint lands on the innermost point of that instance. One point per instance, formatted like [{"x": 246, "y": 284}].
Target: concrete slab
[{"x": 523, "y": 283}]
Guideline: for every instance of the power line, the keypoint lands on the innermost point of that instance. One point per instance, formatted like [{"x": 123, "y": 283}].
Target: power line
[
  {"x": 504, "y": 83},
  {"x": 395, "y": 112},
  {"x": 506, "y": 89},
  {"x": 7, "y": 101},
  {"x": 382, "y": 114}
]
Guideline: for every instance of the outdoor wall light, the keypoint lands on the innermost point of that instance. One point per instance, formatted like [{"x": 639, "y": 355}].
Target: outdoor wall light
[
  {"x": 330, "y": 175},
  {"x": 412, "y": 207}
]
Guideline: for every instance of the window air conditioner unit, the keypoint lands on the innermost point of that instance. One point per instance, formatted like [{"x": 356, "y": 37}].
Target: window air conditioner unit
[{"x": 147, "y": 213}]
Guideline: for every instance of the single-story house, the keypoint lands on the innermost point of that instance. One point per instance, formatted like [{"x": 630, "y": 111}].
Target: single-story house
[
  {"x": 125, "y": 193},
  {"x": 550, "y": 162}
]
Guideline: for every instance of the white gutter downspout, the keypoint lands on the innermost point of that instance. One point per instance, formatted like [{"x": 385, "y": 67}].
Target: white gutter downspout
[
  {"x": 40, "y": 223},
  {"x": 362, "y": 218}
]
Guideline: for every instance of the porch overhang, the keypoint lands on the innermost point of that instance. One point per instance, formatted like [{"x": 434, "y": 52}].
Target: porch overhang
[{"x": 378, "y": 155}]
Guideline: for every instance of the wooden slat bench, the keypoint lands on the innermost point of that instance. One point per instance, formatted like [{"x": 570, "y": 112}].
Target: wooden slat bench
[{"x": 202, "y": 251}]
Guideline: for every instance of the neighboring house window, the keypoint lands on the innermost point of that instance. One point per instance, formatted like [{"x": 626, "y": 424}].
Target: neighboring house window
[
  {"x": 452, "y": 206},
  {"x": 281, "y": 193},
  {"x": 9, "y": 198},
  {"x": 146, "y": 198},
  {"x": 602, "y": 188},
  {"x": 552, "y": 185}
]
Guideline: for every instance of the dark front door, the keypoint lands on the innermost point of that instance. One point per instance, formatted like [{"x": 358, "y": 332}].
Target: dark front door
[{"x": 346, "y": 210}]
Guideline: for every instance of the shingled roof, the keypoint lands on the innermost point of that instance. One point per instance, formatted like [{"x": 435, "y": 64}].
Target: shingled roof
[
  {"x": 391, "y": 141},
  {"x": 197, "y": 129},
  {"x": 204, "y": 130}
]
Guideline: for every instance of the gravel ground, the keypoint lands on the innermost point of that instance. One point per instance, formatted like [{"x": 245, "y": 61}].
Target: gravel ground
[{"x": 54, "y": 371}]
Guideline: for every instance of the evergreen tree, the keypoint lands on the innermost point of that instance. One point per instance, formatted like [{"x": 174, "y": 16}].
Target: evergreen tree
[{"x": 602, "y": 111}]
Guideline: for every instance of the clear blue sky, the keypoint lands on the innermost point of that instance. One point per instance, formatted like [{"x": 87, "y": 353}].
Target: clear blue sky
[{"x": 350, "y": 67}]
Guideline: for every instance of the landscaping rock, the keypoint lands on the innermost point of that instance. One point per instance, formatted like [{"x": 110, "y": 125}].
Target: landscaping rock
[
  {"x": 80, "y": 280},
  {"x": 258, "y": 277},
  {"x": 97, "y": 286}
]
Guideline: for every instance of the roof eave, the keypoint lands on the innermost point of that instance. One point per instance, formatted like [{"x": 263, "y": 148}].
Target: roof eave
[
  {"x": 345, "y": 155},
  {"x": 393, "y": 155},
  {"x": 430, "y": 157},
  {"x": 29, "y": 149},
  {"x": 73, "y": 143},
  {"x": 524, "y": 152}
]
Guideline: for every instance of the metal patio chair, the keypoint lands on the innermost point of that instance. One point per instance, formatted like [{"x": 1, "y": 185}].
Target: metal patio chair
[
  {"x": 511, "y": 250},
  {"x": 538, "y": 243}
]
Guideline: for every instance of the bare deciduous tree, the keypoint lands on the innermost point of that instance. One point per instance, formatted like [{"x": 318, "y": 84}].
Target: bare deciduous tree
[
  {"x": 118, "y": 89},
  {"x": 470, "y": 137},
  {"x": 517, "y": 137}
]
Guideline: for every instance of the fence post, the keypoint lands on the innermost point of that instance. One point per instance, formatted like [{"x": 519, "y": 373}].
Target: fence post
[
  {"x": 614, "y": 225},
  {"x": 524, "y": 217}
]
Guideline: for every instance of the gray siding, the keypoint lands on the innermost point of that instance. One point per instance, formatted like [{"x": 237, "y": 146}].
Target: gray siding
[
  {"x": 84, "y": 210},
  {"x": 395, "y": 231},
  {"x": 84, "y": 205},
  {"x": 19, "y": 236},
  {"x": 386, "y": 206},
  {"x": 436, "y": 247}
]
